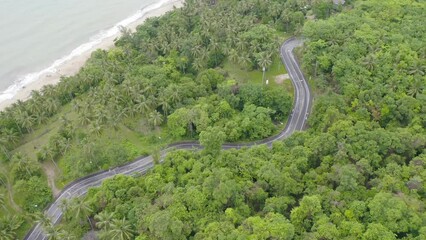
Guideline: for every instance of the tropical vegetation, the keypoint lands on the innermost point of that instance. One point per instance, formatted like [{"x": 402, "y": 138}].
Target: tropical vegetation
[{"x": 357, "y": 172}]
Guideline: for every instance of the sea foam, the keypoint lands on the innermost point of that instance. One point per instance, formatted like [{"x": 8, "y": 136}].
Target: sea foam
[{"x": 21, "y": 82}]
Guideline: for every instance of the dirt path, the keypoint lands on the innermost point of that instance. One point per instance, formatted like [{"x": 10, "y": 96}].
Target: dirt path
[
  {"x": 11, "y": 201},
  {"x": 50, "y": 171}
]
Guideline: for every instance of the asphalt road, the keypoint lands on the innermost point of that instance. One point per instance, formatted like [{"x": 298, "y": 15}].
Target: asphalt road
[{"x": 296, "y": 122}]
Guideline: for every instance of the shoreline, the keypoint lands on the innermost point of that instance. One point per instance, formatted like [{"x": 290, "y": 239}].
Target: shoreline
[{"x": 73, "y": 65}]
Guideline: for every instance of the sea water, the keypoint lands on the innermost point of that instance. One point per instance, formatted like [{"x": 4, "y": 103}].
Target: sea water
[{"x": 36, "y": 36}]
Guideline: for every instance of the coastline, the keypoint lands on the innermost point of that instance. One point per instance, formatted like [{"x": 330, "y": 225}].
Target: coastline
[{"x": 73, "y": 65}]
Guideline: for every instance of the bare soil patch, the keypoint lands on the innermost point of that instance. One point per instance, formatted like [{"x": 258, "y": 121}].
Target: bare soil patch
[
  {"x": 280, "y": 78},
  {"x": 50, "y": 171}
]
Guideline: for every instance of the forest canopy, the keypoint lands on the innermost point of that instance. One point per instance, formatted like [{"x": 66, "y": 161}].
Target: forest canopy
[{"x": 357, "y": 173}]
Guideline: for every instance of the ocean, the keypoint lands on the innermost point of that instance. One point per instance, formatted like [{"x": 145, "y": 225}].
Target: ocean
[{"x": 36, "y": 36}]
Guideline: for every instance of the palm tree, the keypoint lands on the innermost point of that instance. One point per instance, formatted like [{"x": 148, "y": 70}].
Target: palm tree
[
  {"x": 39, "y": 117},
  {"x": 417, "y": 68},
  {"x": 233, "y": 55},
  {"x": 215, "y": 48},
  {"x": 49, "y": 90},
  {"x": 164, "y": 103},
  {"x": 104, "y": 220},
  {"x": 264, "y": 59},
  {"x": 80, "y": 208},
  {"x": 8, "y": 226},
  {"x": 64, "y": 235},
  {"x": 416, "y": 87},
  {"x": 174, "y": 94},
  {"x": 25, "y": 120},
  {"x": 8, "y": 138},
  {"x": 101, "y": 114},
  {"x": 42, "y": 219},
  {"x": 204, "y": 55},
  {"x": 22, "y": 162},
  {"x": 65, "y": 205},
  {"x": 196, "y": 51},
  {"x": 52, "y": 232},
  {"x": 198, "y": 64},
  {"x": 370, "y": 62},
  {"x": 51, "y": 106},
  {"x": 84, "y": 117},
  {"x": 48, "y": 152},
  {"x": 12, "y": 223},
  {"x": 2, "y": 201},
  {"x": 241, "y": 45},
  {"x": 120, "y": 229},
  {"x": 5, "y": 234},
  {"x": 244, "y": 60},
  {"x": 35, "y": 106},
  {"x": 143, "y": 105},
  {"x": 155, "y": 118}
]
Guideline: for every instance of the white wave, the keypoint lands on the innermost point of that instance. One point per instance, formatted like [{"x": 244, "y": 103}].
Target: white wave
[{"x": 12, "y": 90}]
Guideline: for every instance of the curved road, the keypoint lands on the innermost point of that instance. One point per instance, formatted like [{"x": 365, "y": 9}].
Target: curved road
[{"x": 296, "y": 122}]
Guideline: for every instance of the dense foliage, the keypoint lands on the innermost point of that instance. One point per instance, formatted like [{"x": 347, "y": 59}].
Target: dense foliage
[
  {"x": 358, "y": 173},
  {"x": 168, "y": 75}
]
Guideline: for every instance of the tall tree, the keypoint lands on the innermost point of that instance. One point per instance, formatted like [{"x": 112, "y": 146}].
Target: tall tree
[{"x": 121, "y": 229}]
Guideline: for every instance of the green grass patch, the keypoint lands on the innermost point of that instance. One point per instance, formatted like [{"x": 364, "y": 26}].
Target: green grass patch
[
  {"x": 31, "y": 143},
  {"x": 256, "y": 76}
]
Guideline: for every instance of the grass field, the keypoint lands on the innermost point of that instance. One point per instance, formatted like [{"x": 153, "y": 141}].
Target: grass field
[{"x": 255, "y": 76}]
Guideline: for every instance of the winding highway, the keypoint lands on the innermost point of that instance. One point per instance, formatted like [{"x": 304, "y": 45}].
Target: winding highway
[{"x": 296, "y": 122}]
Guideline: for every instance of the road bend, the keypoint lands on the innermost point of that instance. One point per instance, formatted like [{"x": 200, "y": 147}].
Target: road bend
[{"x": 296, "y": 122}]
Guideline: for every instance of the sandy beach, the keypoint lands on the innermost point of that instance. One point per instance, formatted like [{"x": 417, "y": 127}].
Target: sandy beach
[{"x": 73, "y": 65}]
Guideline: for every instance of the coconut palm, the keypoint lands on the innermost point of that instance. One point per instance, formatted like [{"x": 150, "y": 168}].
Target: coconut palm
[
  {"x": 233, "y": 55},
  {"x": 196, "y": 51},
  {"x": 101, "y": 114},
  {"x": 5, "y": 234},
  {"x": 143, "y": 105},
  {"x": 2, "y": 201},
  {"x": 11, "y": 137},
  {"x": 417, "y": 68},
  {"x": 42, "y": 219},
  {"x": 80, "y": 208},
  {"x": 241, "y": 45},
  {"x": 23, "y": 163},
  {"x": 49, "y": 90},
  {"x": 65, "y": 206},
  {"x": 264, "y": 59},
  {"x": 370, "y": 62},
  {"x": 39, "y": 117},
  {"x": 174, "y": 94},
  {"x": 198, "y": 64},
  {"x": 8, "y": 137},
  {"x": 155, "y": 118},
  {"x": 84, "y": 117},
  {"x": 64, "y": 235},
  {"x": 164, "y": 103},
  {"x": 244, "y": 60},
  {"x": 416, "y": 87},
  {"x": 35, "y": 106},
  {"x": 104, "y": 220},
  {"x": 25, "y": 120},
  {"x": 8, "y": 226},
  {"x": 120, "y": 229},
  {"x": 51, "y": 105},
  {"x": 52, "y": 232}
]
